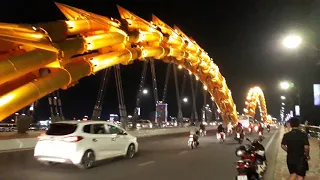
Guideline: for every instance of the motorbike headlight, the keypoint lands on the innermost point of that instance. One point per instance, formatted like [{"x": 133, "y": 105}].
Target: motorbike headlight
[{"x": 239, "y": 153}]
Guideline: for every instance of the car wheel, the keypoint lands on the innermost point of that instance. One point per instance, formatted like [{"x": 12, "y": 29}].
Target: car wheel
[
  {"x": 131, "y": 151},
  {"x": 88, "y": 160}
]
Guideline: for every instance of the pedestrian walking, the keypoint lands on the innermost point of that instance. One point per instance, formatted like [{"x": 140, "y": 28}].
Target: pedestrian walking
[{"x": 296, "y": 144}]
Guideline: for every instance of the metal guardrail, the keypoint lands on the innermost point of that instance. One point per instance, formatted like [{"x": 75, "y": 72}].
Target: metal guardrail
[{"x": 313, "y": 130}]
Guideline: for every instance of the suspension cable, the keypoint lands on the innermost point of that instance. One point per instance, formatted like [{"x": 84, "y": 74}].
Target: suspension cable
[
  {"x": 122, "y": 107},
  {"x": 180, "y": 115},
  {"x": 142, "y": 82},
  {"x": 165, "y": 89},
  {"x": 59, "y": 104},
  {"x": 101, "y": 93},
  {"x": 138, "y": 100},
  {"x": 183, "y": 82},
  {"x": 194, "y": 113},
  {"x": 154, "y": 82}
]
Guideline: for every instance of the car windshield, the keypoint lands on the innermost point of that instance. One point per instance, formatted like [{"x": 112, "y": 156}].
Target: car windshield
[{"x": 60, "y": 129}]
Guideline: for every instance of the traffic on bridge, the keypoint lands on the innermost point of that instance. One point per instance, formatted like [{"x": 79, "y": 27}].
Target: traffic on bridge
[{"x": 178, "y": 121}]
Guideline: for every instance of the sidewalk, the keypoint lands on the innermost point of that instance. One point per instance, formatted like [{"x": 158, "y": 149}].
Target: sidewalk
[{"x": 281, "y": 171}]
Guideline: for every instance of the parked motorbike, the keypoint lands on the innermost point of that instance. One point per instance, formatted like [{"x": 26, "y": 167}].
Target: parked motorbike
[
  {"x": 221, "y": 137},
  {"x": 239, "y": 137},
  {"x": 253, "y": 163},
  {"x": 192, "y": 143}
]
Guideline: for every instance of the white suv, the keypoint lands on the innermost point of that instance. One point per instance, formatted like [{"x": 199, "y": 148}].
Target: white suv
[{"x": 84, "y": 142}]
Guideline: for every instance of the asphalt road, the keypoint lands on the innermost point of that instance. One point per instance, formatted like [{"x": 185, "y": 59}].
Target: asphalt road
[{"x": 163, "y": 157}]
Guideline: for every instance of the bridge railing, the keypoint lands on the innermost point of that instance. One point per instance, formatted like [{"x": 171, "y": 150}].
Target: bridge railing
[{"x": 313, "y": 130}]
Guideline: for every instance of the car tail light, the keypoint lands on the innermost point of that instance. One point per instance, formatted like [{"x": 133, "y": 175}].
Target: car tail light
[{"x": 72, "y": 138}]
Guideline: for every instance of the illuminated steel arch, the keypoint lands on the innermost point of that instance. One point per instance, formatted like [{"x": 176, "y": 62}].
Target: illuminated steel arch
[
  {"x": 256, "y": 97},
  {"x": 42, "y": 58}
]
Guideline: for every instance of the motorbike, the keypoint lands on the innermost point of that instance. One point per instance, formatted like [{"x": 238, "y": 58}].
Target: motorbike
[
  {"x": 192, "y": 143},
  {"x": 268, "y": 129},
  {"x": 250, "y": 130},
  {"x": 203, "y": 132},
  {"x": 221, "y": 136},
  {"x": 253, "y": 163},
  {"x": 239, "y": 137}
]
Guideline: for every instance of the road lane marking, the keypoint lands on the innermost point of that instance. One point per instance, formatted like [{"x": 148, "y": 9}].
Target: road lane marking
[
  {"x": 146, "y": 163},
  {"x": 270, "y": 141},
  {"x": 183, "y": 152}
]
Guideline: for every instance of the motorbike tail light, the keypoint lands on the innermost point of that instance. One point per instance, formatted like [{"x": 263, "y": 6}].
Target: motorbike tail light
[{"x": 72, "y": 138}]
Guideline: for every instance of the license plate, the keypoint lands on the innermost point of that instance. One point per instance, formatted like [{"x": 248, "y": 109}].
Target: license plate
[{"x": 242, "y": 177}]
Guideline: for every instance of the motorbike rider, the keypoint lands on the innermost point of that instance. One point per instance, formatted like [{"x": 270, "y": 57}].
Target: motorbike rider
[
  {"x": 268, "y": 127},
  {"x": 260, "y": 129},
  {"x": 239, "y": 129},
  {"x": 195, "y": 132},
  {"x": 220, "y": 128},
  {"x": 250, "y": 127}
]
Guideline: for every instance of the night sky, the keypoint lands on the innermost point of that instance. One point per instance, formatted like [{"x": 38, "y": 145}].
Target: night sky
[{"x": 243, "y": 38}]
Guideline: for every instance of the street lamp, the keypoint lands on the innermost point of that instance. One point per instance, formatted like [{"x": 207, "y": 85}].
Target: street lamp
[
  {"x": 145, "y": 91},
  {"x": 205, "y": 87},
  {"x": 285, "y": 85},
  {"x": 283, "y": 97},
  {"x": 185, "y": 100},
  {"x": 292, "y": 41}
]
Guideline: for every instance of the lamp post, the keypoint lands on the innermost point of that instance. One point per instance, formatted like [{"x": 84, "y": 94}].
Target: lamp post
[{"x": 286, "y": 85}]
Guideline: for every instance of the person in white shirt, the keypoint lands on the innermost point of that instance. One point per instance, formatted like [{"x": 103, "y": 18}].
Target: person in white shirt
[{"x": 229, "y": 128}]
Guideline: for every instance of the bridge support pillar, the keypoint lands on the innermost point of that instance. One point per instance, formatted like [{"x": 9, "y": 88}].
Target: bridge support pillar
[{"x": 122, "y": 107}]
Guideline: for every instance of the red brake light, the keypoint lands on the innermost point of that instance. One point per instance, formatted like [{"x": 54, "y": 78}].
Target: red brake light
[{"x": 72, "y": 138}]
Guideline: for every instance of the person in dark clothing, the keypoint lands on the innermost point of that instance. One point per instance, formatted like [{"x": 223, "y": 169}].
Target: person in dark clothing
[
  {"x": 202, "y": 126},
  {"x": 296, "y": 144},
  {"x": 239, "y": 128},
  {"x": 220, "y": 128}
]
